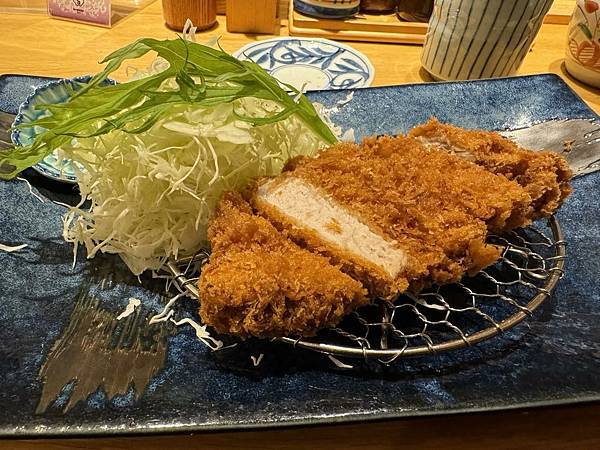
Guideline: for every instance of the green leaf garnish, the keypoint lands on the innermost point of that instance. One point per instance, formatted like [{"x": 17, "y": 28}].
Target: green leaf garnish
[{"x": 204, "y": 77}]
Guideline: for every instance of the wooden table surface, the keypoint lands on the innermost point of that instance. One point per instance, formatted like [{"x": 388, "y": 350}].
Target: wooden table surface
[{"x": 36, "y": 44}]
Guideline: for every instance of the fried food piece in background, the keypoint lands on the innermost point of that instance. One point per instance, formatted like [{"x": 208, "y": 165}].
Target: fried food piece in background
[
  {"x": 393, "y": 213},
  {"x": 259, "y": 283},
  {"x": 544, "y": 175}
]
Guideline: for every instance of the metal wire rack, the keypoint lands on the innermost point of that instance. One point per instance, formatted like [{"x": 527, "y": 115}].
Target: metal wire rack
[{"x": 444, "y": 317}]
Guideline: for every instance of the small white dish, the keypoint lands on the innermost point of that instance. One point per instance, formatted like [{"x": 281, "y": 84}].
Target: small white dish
[{"x": 312, "y": 64}]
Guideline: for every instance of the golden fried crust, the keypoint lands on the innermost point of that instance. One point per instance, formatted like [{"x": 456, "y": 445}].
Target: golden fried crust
[
  {"x": 544, "y": 175},
  {"x": 259, "y": 283},
  {"x": 377, "y": 282},
  {"x": 436, "y": 206}
]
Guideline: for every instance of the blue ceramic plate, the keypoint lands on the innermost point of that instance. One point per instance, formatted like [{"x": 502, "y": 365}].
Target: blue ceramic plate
[
  {"x": 313, "y": 63},
  {"x": 69, "y": 367},
  {"x": 52, "y": 92}
]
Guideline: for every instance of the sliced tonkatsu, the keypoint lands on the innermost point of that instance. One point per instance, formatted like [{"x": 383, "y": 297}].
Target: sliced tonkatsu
[
  {"x": 259, "y": 283},
  {"x": 392, "y": 212},
  {"x": 364, "y": 220}
]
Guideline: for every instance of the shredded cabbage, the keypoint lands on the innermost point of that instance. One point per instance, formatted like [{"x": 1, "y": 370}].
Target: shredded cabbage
[
  {"x": 157, "y": 152},
  {"x": 153, "y": 193},
  {"x": 11, "y": 248}
]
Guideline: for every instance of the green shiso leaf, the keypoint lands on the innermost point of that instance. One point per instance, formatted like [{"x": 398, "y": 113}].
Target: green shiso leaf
[{"x": 204, "y": 77}]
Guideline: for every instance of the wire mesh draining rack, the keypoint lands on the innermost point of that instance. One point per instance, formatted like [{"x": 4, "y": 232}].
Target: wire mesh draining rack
[{"x": 444, "y": 317}]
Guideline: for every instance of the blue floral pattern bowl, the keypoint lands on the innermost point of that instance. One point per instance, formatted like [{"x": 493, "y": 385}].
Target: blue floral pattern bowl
[
  {"x": 54, "y": 92},
  {"x": 314, "y": 64}
]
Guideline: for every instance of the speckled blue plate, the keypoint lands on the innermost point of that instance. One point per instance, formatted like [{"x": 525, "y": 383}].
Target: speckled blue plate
[{"x": 69, "y": 367}]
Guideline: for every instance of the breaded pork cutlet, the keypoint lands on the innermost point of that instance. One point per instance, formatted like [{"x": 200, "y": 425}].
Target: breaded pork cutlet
[
  {"x": 393, "y": 213},
  {"x": 259, "y": 283},
  {"x": 544, "y": 175}
]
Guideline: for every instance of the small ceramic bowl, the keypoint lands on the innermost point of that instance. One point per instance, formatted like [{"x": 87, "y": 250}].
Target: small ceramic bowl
[
  {"x": 328, "y": 9},
  {"x": 54, "y": 92},
  {"x": 582, "y": 58}
]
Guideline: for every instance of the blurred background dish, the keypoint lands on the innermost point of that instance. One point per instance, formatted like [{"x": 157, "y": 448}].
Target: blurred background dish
[
  {"x": 330, "y": 9},
  {"x": 313, "y": 63},
  {"x": 378, "y": 6},
  {"x": 414, "y": 10},
  {"x": 471, "y": 39}
]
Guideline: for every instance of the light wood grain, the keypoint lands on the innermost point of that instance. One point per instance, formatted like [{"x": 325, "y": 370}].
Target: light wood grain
[
  {"x": 252, "y": 16},
  {"x": 202, "y": 13},
  {"x": 282, "y": 8},
  {"x": 560, "y": 12},
  {"x": 34, "y": 44}
]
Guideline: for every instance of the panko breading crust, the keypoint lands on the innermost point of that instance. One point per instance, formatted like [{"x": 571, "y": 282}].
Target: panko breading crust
[
  {"x": 544, "y": 175},
  {"x": 259, "y": 283},
  {"x": 436, "y": 195},
  {"x": 438, "y": 208}
]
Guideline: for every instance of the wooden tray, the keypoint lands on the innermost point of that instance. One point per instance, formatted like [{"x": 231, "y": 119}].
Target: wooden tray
[
  {"x": 363, "y": 27},
  {"x": 560, "y": 12},
  {"x": 282, "y": 10},
  {"x": 387, "y": 27}
]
